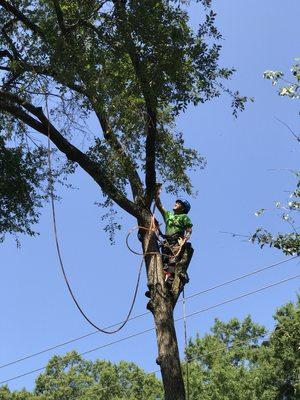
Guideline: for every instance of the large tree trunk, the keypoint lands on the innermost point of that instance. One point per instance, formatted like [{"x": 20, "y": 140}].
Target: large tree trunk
[
  {"x": 161, "y": 304},
  {"x": 168, "y": 354}
]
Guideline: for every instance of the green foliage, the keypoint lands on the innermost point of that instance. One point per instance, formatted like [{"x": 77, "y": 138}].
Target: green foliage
[
  {"x": 283, "y": 370},
  {"x": 287, "y": 242},
  {"x": 21, "y": 188},
  {"x": 291, "y": 89},
  {"x": 94, "y": 60},
  {"x": 173, "y": 159},
  {"x": 239, "y": 361},
  {"x": 70, "y": 377},
  {"x": 6, "y": 394}
]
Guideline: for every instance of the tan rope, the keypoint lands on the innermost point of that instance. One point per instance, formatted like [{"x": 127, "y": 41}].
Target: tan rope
[{"x": 82, "y": 312}]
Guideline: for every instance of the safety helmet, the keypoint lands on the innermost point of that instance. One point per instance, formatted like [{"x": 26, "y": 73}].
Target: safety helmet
[{"x": 185, "y": 203}]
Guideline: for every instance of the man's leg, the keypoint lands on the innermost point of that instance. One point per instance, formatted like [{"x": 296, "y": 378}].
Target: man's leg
[{"x": 183, "y": 263}]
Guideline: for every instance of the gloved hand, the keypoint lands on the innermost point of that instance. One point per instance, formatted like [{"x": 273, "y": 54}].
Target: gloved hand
[{"x": 181, "y": 241}]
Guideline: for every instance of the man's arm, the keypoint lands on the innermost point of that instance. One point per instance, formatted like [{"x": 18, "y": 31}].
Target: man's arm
[
  {"x": 160, "y": 207},
  {"x": 187, "y": 235},
  {"x": 158, "y": 202}
]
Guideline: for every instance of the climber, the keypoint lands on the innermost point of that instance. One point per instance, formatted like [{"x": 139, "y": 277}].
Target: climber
[{"x": 176, "y": 252}]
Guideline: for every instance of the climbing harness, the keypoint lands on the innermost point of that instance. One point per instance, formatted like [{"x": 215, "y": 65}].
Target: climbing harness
[{"x": 165, "y": 243}]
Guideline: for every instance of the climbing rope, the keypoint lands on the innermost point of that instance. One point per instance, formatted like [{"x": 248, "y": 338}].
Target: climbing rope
[
  {"x": 157, "y": 233},
  {"x": 154, "y": 229},
  {"x": 80, "y": 309},
  {"x": 186, "y": 345}
]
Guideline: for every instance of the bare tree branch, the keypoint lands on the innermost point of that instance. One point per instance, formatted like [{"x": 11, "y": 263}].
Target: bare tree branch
[
  {"x": 131, "y": 172},
  {"x": 150, "y": 98},
  {"x": 6, "y": 85},
  {"x": 60, "y": 16},
  {"x": 21, "y": 17},
  {"x": 10, "y": 42},
  {"x": 290, "y": 129},
  {"x": 6, "y": 53}
]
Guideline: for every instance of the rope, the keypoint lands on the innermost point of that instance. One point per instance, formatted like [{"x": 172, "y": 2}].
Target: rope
[
  {"x": 151, "y": 228},
  {"x": 80, "y": 309},
  {"x": 152, "y": 329},
  {"x": 186, "y": 345},
  {"x": 156, "y": 231}
]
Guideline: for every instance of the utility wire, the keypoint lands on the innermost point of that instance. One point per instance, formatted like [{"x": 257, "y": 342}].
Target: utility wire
[
  {"x": 67, "y": 342},
  {"x": 185, "y": 344},
  {"x": 152, "y": 329},
  {"x": 158, "y": 370},
  {"x": 147, "y": 312},
  {"x": 196, "y": 357},
  {"x": 238, "y": 278},
  {"x": 241, "y": 296},
  {"x": 258, "y": 336}
]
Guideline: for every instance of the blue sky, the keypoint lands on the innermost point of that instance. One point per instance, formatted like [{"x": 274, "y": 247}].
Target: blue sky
[{"x": 247, "y": 162}]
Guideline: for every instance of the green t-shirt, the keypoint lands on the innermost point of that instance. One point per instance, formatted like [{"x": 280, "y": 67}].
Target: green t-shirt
[{"x": 176, "y": 222}]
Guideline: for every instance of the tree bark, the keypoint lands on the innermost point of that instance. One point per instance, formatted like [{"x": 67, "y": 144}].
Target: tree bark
[
  {"x": 168, "y": 354},
  {"x": 161, "y": 304}
]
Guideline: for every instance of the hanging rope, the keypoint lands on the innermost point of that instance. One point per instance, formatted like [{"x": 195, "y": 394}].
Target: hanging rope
[
  {"x": 186, "y": 344},
  {"x": 157, "y": 233},
  {"x": 82, "y": 312}
]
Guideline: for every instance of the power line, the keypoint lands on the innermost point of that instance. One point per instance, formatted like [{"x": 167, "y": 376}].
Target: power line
[
  {"x": 147, "y": 312},
  {"x": 259, "y": 336},
  {"x": 206, "y": 354},
  {"x": 152, "y": 329},
  {"x": 241, "y": 296},
  {"x": 67, "y": 342},
  {"x": 238, "y": 278}
]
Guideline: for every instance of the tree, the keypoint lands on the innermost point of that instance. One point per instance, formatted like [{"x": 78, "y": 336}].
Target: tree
[
  {"x": 70, "y": 377},
  {"x": 240, "y": 360},
  {"x": 133, "y": 66},
  {"x": 237, "y": 360},
  {"x": 6, "y": 394},
  {"x": 220, "y": 361},
  {"x": 287, "y": 242},
  {"x": 281, "y": 365}
]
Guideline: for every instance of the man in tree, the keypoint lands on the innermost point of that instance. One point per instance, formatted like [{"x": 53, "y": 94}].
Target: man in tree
[
  {"x": 176, "y": 252},
  {"x": 131, "y": 66}
]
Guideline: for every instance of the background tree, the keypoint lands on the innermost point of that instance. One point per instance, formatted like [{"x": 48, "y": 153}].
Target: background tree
[
  {"x": 130, "y": 66},
  {"x": 71, "y": 377},
  {"x": 288, "y": 242},
  {"x": 237, "y": 360},
  {"x": 241, "y": 360}
]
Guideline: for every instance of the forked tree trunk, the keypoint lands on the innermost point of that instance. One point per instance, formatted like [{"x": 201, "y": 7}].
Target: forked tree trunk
[{"x": 161, "y": 304}]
